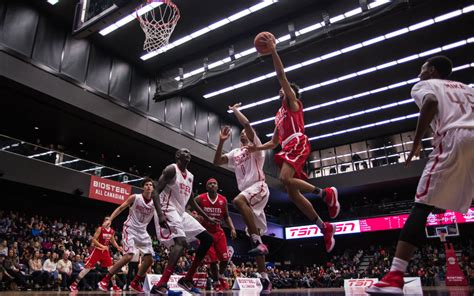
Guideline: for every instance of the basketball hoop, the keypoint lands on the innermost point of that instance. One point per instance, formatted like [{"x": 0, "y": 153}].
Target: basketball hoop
[{"x": 157, "y": 18}]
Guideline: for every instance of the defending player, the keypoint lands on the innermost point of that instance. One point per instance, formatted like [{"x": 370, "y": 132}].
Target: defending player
[
  {"x": 135, "y": 237},
  {"x": 447, "y": 181},
  {"x": 254, "y": 193},
  {"x": 215, "y": 206},
  {"x": 174, "y": 226},
  {"x": 289, "y": 133}
]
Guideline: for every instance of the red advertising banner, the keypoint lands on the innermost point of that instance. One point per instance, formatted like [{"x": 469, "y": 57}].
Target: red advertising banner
[
  {"x": 108, "y": 190},
  {"x": 378, "y": 224},
  {"x": 454, "y": 275}
]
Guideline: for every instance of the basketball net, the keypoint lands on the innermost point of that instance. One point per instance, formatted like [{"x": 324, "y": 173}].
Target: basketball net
[{"x": 157, "y": 22}]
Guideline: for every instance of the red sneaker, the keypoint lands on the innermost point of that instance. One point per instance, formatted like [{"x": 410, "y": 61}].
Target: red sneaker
[
  {"x": 260, "y": 250},
  {"x": 329, "y": 241},
  {"x": 116, "y": 288},
  {"x": 136, "y": 286},
  {"x": 224, "y": 284},
  {"x": 218, "y": 287},
  {"x": 104, "y": 285},
  {"x": 390, "y": 284},
  {"x": 332, "y": 202},
  {"x": 73, "y": 287}
]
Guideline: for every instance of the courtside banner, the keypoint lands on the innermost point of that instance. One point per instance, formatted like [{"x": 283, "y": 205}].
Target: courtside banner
[
  {"x": 108, "y": 190},
  {"x": 247, "y": 285},
  {"x": 358, "y": 286},
  {"x": 378, "y": 224}
]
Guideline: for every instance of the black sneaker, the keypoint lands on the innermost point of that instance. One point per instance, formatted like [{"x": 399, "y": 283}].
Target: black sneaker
[
  {"x": 188, "y": 286},
  {"x": 163, "y": 290}
]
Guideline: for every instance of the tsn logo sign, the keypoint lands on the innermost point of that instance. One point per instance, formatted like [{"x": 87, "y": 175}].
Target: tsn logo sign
[{"x": 345, "y": 227}]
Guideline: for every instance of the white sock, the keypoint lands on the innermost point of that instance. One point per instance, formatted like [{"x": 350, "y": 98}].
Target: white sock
[
  {"x": 399, "y": 265},
  {"x": 256, "y": 238}
]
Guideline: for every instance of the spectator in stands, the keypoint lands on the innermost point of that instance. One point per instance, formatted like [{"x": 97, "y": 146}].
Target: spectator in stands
[
  {"x": 38, "y": 275},
  {"x": 4, "y": 248},
  {"x": 65, "y": 270},
  {"x": 12, "y": 267},
  {"x": 50, "y": 266}
]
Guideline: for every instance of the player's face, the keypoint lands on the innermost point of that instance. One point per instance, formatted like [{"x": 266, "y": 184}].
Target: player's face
[
  {"x": 148, "y": 187},
  {"x": 183, "y": 155},
  {"x": 243, "y": 138},
  {"x": 281, "y": 93},
  {"x": 212, "y": 186},
  {"x": 426, "y": 72}
]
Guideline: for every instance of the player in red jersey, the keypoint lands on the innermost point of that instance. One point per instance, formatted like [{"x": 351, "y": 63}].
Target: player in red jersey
[
  {"x": 215, "y": 206},
  {"x": 104, "y": 235},
  {"x": 289, "y": 133}
]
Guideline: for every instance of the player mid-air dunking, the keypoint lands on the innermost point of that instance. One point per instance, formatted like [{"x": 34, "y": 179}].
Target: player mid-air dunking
[
  {"x": 289, "y": 133},
  {"x": 447, "y": 181}
]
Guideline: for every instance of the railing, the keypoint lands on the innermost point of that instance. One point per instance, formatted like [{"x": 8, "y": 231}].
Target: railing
[
  {"x": 59, "y": 158},
  {"x": 364, "y": 155}
]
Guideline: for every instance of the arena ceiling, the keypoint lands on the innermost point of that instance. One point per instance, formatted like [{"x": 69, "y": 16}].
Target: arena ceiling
[{"x": 355, "y": 60}]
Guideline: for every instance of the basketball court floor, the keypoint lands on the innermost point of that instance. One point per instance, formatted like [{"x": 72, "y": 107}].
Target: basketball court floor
[{"x": 432, "y": 291}]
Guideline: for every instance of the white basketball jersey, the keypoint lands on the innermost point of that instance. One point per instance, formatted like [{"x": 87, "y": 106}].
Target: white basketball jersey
[
  {"x": 455, "y": 103},
  {"x": 248, "y": 166},
  {"x": 176, "y": 195},
  {"x": 140, "y": 213}
]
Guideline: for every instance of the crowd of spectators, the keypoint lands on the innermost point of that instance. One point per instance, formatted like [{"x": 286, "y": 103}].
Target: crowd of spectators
[{"x": 43, "y": 253}]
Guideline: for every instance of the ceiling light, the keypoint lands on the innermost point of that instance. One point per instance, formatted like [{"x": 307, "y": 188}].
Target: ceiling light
[
  {"x": 36, "y": 128},
  {"x": 356, "y": 96},
  {"x": 298, "y": 33},
  {"x": 209, "y": 28},
  {"x": 125, "y": 20},
  {"x": 52, "y": 2}
]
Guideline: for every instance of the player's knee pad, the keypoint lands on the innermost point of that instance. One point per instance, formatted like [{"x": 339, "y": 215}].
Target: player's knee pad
[{"x": 413, "y": 231}]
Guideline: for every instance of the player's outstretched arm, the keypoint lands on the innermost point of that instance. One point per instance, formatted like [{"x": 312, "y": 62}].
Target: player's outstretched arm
[
  {"x": 427, "y": 113},
  {"x": 280, "y": 71},
  {"x": 166, "y": 177},
  {"x": 192, "y": 203},
  {"x": 272, "y": 144},
  {"x": 243, "y": 120},
  {"x": 122, "y": 207},
  {"x": 219, "y": 157}
]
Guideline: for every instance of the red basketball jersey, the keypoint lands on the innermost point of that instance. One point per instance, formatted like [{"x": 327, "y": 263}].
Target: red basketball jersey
[
  {"x": 216, "y": 209},
  {"x": 289, "y": 123},
  {"x": 105, "y": 235}
]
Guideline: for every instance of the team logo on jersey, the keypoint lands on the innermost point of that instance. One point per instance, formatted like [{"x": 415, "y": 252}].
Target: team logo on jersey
[{"x": 220, "y": 202}]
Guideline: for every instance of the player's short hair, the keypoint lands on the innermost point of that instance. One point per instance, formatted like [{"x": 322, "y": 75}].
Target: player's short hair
[
  {"x": 442, "y": 64},
  {"x": 146, "y": 180},
  {"x": 296, "y": 89}
]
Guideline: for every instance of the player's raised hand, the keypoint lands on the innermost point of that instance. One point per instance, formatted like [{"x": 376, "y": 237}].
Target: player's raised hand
[
  {"x": 225, "y": 133},
  {"x": 415, "y": 151},
  {"x": 235, "y": 107},
  {"x": 269, "y": 41}
]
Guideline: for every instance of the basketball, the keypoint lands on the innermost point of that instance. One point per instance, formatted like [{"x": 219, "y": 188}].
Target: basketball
[{"x": 260, "y": 44}]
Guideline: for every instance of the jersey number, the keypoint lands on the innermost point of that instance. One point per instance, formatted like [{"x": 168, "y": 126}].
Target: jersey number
[{"x": 454, "y": 97}]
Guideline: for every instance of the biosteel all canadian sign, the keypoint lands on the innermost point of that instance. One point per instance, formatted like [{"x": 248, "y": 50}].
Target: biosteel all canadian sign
[
  {"x": 377, "y": 224},
  {"x": 108, "y": 190}
]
